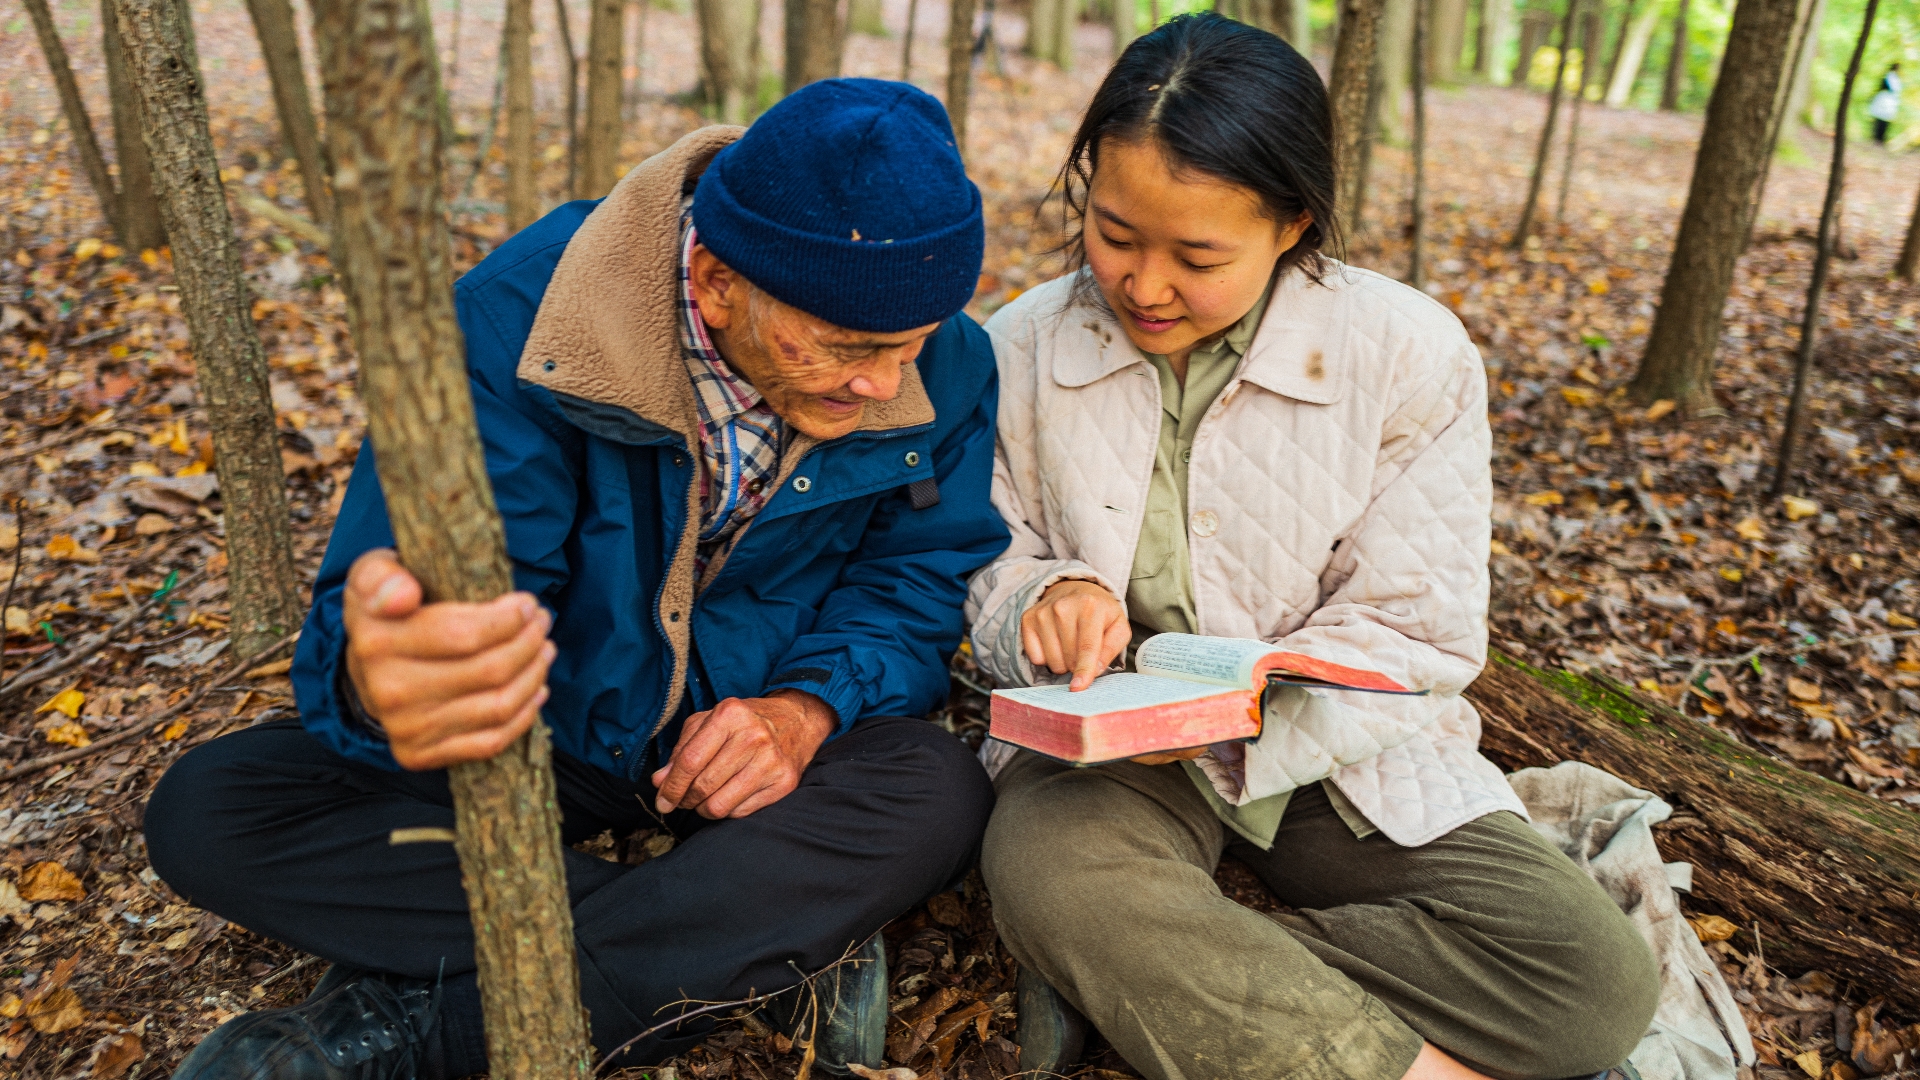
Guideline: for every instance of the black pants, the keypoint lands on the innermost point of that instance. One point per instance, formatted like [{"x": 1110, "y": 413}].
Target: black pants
[
  {"x": 1880, "y": 128},
  {"x": 271, "y": 830}
]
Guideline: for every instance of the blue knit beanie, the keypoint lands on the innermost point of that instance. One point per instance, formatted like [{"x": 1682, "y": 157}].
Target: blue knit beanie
[{"x": 848, "y": 201}]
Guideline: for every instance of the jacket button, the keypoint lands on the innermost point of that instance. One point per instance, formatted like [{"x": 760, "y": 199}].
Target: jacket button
[
  {"x": 1204, "y": 523},
  {"x": 673, "y": 616},
  {"x": 802, "y": 484},
  {"x": 913, "y": 458},
  {"x": 616, "y": 751},
  {"x": 679, "y": 460},
  {"x": 1187, "y": 454}
]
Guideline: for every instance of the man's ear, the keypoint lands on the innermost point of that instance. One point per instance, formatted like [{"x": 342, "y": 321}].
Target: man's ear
[{"x": 719, "y": 292}]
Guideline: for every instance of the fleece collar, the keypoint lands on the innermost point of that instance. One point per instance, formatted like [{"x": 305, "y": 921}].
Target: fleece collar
[{"x": 607, "y": 332}]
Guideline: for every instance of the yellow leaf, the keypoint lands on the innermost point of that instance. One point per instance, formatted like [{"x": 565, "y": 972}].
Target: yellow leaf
[
  {"x": 1586, "y": 375},
  {"x": 67, "y": 703},
  {"x": 37, "y": 351},
  {"x": 1579, "y": 396},
  {"x": 86, "y": 249},
  {"x": 64, "y": 548},
  {"x": 19, "y": 621},
  {"x": 10, "y": 1006},
  {"x": 57, "y": 1012},
  {"x": 191, "y": 468},
  {"x": 1659, "y": 409},
  {"x": 69, "y": 734},
  {"x": 1809, "y": 1063},
  {"x": 1802, "y": 690},
  {"x": 278, "y": 667},
  {"x": 1712, "y": 928},
  {"x": 1732, "y": 573},
  {"x": 555, "y": 152},
  {"x": 174, "y": 730},
  {"x": 1561, "y": 598},
  {"x": 1496, "y": 547},
  {"x": 1750, "y": 529},
  {"x": 1726, "y": 626},
  {"x": 151, "y": 524},
  {"x": 9, "y": 535},
  {"x": 49, "y": 880},
  {"x": 1598, "y": 286},
  {"x": 150, "y": 257},
  {"x": 143, "y": 468},
  {"x": 110, "y": 251},
  {"x": 1545, "y": 498},
  {"x": 1798, "y": 507},
  {"x": 179, "y": 940},
  {"x": 47, "y": 463},
  {"x": 1603, "y": 438},
  {"x": 1900, "y": 622}
]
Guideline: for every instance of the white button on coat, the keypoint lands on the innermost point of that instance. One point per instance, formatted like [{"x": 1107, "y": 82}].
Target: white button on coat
[{"x": 1204, "y": 523}]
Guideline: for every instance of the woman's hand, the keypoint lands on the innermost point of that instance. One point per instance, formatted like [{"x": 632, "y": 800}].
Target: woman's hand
[{"x": 1077, "y": 626}]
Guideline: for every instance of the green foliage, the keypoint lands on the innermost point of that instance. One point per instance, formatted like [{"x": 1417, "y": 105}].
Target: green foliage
[{"x": 1896, "y": 36}]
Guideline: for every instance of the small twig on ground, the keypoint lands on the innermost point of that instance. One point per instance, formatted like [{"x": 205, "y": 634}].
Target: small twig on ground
[
  {"x": 96, "y": 642},
  {"x": 61, "y": 440},
  {"x": 142, "y": 726},
  {"x": 285, "y": 971},
  {"x": 19, "y": 548}
]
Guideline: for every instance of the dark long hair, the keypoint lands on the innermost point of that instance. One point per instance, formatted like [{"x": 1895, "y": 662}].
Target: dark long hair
[{"x": 1225, "y": 100}]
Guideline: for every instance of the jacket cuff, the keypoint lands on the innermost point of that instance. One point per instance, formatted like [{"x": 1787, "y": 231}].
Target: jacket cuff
[
  {"x": 352, "y": 712},
  {"x": 1002, "y": 655},
  {"x": 830, "y": 683}
]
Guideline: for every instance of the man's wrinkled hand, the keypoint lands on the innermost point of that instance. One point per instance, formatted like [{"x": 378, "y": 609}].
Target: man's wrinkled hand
[
  {"x": 446, "y": 682},
  {"x": 1076, "y": 626},
  {"x": 744, "y": 754}
]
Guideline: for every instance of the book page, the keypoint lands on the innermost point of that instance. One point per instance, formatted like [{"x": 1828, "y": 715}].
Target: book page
[
  {"x": 1221, "y": 661},
  {"x": 1109, "y": 693}
]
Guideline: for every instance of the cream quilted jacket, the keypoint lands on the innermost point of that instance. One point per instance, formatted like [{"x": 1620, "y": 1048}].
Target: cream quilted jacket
[{"x": 1338, "y": 500}]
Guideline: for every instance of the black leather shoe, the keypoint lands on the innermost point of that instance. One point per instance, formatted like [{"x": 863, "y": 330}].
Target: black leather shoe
[
  {"x": 852, "y": 1000},
  {"x": 1051, "y": 1033},
  {"x": 361, "y": 1027}
]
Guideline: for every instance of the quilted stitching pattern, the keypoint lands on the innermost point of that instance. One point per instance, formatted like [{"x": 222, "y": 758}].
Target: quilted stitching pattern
[{"x": 1347, "y": 464}]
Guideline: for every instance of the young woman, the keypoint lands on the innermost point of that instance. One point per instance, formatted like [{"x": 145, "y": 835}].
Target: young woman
[{"x": 1211, "y": 427}]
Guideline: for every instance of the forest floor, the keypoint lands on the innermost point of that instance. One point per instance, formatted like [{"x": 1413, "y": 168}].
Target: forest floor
[{"x": 1628, "y": 539}]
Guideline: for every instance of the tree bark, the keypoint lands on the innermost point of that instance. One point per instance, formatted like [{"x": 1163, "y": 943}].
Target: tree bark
[
  {"x": 392, "y": 248},
  {"x": 85, "y": 145},
  {"x": 1676, "y": 62},
  {"x": 729, "y": 56},
  {"x": 516, "y": 39},
  {"x": 959, "y": 69},
  {"x": 564, "y": 20},
  {"x": 813, "y": 42},
  {"x": 1908, "y": 267},
  {"x": 1794, "y": 429},
  {"x": 231, "y": 367},
  {"x": 1536, "y": 29},
  {"x": 1446, "y": 40},
  {"x": 1633, "y": 54},
  {"x": 1066, "y": 15},
  {"x": 866, "y": 17},
  {"x": 1800, "y": 94},
  {"x": 1353, "y": 57},
  {"x": 1776, "y": 123},
  {"x": 906, "y": 41},
  {"x": 1416, "y": 256},
  {"x": 1542, "y": 157},
  {"x": 600, "y": 164},
  {"x": 1043, "y": 24},
  {"x": 1296, "y": 24},
  {"x": 140, "y": 220},
  {"x": 1125, "y": 15},
  {"x": 1830, "y": 875},
  {"x": 1496, "y": 27},
  {"x": 1686, "y": 332},
  {"x": 1392, "y": 66},
  {"x": 273, "y": 24},
  {"x": 1589, "y": 47}
]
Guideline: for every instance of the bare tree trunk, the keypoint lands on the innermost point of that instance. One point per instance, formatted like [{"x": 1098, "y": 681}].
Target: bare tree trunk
[
  {"x": 1777, "y": 122},
  {"x": 1353, "y": 56},
  {"x": 1393, "y": 63},
  {"x": 813, "y": 42},
  {"x": 729, "y": 55},
  {"x": 1416, "y": 257},
  {"x": 866, "y": 17},
  {"x": 1043, "y": 24},
  {"x": 1066, "y": 14},
  {"x": 1676, "y": 61},
  {"x": 1800, "y": 93},
  {"x": 280, "y": 48},
  {"x": 1536, "y": 29},
  {"x": 78, "y": 122},
  {"x": 639, "y": 61},
  {"x": 906, "y": 41},
  {"x": 140, "y": 220},
  {"x": 1446, "y": 40},
  {"x": 1636, "y": 39},
  {"x": 600, "y": 164},
  {"x": 516, "y": 38},
  {"x": 1496, "y": 27},
  {"x": 1907, "y": 267},
  {"x": 565, "y": 21},
  {"x": 1543, "y": 156},
  {"x": 1793, "y": 431},
  {"x": 230, "y": 365},
  {"x": 1125, "y": 15},
  {"x": 1619, "y": 44},
  {"x": 959, "y": 68},
  {"x": 1296, "y": 24},
  {"x": 1589, "y": 45},
  {"x": 1733, "y": 146},
  {"x": 393, "y": 251}
]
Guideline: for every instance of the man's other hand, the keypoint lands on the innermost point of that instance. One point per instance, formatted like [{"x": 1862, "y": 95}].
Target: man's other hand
[
  {"x": 446, "y": 682},
  {"x": 744, "y": 754}
]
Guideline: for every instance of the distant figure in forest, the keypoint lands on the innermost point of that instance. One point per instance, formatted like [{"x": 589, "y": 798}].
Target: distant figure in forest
[
  {"x": 741, "y": 436},
  {"x": 1885, "y": 105},
  {"x": 1213, "y": 427}
]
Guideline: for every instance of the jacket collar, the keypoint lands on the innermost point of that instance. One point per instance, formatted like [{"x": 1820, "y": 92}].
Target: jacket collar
[
  {"x": 607, "y": 332},
  {"x": 1297, "y": 352}
]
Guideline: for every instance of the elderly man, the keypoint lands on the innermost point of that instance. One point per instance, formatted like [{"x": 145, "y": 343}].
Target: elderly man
[{"x": 741, "y": 436}]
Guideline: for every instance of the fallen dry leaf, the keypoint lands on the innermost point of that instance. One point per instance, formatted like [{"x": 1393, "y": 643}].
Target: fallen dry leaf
[
  {"x": 1710, "y": 928},
  {"x": 895, "y": 1073},
  {"x": 152, "y": 524},
  {"x": 1659, "y": 409},
  {"x": 67, "y": 703},
  {"x": 50, "y": 881},
  {"x": 278, "y": 667},
  {"x": 1545, "y": 498},
  {"x": 60, "y": 1010},
  {"x": 1798, "y": 508},
  {"x": 1750, "y": 529},
  {"x": 64, "y": 548},
  {"x": 118, "y": 1053},
  {"x": 70, "y": 733},
  {"x": 1809, "y": 1063},
  {"x": 946, "y": 909},
  {"x": 1802, "y": 690}
]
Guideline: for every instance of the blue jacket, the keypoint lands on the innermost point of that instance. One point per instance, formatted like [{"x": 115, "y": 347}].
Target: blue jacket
[{"x": 848, "y": 584}]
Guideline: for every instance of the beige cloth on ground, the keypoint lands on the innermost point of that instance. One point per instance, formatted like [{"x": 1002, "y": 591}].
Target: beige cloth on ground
[{"x": 1605, "y": 825}]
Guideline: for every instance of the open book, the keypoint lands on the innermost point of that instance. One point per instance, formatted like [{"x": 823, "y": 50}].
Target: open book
[{"x": 1186, "y": 691}]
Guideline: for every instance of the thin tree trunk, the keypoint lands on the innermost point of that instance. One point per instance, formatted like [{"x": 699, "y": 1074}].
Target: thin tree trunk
[
  {"x": 523, "y": 196},
  {"x": 230, "y": 365},
  {"x": 1416, "y": 257},
  {"x": 1043, "y": 23},
  {"x": 453, "y": 47},
  {"x": 813, "y": 42},
  {"x": 1793, "y": 433},
  {"x": 1542, "y": 157},
  {"x": 1536, "y": 28},
  {"x": 866, "y": 17},
  {"x": 1800, "y": 93},
  {"x": 729, "y": 56},
  {"x": 1446, "y": 40},
  {"x": 92, "y": 161},
  {"x": 1802, "y": 27},
  {"x": 1125, "y": 15},
  {"x": 906, "y": 43},
  {"x": 1297, "y": 19},
  {"x": 959, "y": 69},
  {"x": 639, "y": 62},
  {"x": 393, "y": 251},
  {"x": 140, "y": 218},
  {"x": 565, "y": 22},
  {"x": 1496, "y": 27},
  {"x": 1353, "y": 56},
  {"x": 1907, "y": 268},
  {"x": 1676, "y": 62},
  {"x": 1619, "y": 44},
  {"x": 1686, "y": 332},
  {"x": 1638, "y": 37},
  {"x": 1066, "y": 14},
  {"x": 600, "y": 164},
  {"x": 1589, "y": 40},
  {"x": 493, "y": 113},
  {"x": 273, "y": 24},
  {"x": 1393, "y": 62}
]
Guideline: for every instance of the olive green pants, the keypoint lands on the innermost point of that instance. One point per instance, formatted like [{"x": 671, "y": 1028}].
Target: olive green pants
[{"x": 1487, "y": 942}]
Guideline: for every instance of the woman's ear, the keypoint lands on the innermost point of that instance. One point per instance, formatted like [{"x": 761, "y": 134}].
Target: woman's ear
[{"x": 1291, "y": 233}]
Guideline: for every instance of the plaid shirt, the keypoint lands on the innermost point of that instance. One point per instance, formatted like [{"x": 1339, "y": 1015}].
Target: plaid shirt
[{"x": 740, "y": 434}]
